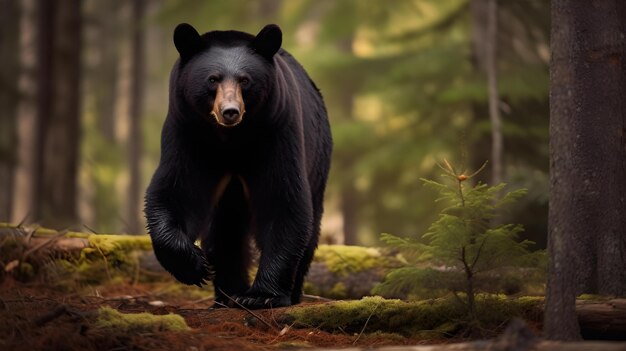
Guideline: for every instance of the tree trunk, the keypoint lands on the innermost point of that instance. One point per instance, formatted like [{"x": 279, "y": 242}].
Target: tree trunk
[
  {"x": 9, "y": 99},
  {"x": 136, "y": 109},
  {"x": 349, "y": 201},
  {"x": 492, "y": 85},
  {"x": 105, "y": 86},
  {"x": 587, "y": 226},
  {"x": 27, "y": 113},
  {"x": 484, "y": 14},
  {"x": 59, "y": 112}
]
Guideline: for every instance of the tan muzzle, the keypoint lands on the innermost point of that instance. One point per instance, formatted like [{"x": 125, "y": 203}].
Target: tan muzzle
[{"x": 228, "y": 108}]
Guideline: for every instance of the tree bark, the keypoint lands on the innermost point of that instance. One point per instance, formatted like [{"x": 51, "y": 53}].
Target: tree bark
[
  {"x": 58, "y": 132},
  {"x": 587, "y": 226},
  {"x": 9, "y": 100},
  {"x": 135, "y": 140}
]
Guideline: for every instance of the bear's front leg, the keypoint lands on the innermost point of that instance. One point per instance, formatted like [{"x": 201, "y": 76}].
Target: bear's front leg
[
  {"x": 284, "y": 217},
  {"x": 173, "y": 232}
]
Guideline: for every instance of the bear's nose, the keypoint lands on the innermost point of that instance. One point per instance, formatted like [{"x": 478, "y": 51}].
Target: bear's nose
[{"x": 230, "y": 114}]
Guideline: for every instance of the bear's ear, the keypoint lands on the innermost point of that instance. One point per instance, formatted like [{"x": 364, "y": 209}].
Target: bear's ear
[
  {"x": 268, "y": 41},
  {"x": 187, "y": 40}
]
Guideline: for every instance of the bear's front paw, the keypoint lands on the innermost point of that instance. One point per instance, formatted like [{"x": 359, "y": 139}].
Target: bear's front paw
[
  {"x": 255, "y": 302},
  {"x": 191, "y": 268}
]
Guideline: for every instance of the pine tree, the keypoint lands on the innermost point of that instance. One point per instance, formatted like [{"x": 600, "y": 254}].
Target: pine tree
[{"x": 464, "y": 244}]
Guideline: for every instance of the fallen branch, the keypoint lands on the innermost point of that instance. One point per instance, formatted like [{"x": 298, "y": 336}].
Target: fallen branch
[
  {"x": 58, "y": 312},
  {"x": 249, "y": 311}
]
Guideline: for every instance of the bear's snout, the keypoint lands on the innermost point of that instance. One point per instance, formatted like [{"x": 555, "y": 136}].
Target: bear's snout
[
  {"x": 230, "y": 114},
  {"x": 228, "y": 108}
]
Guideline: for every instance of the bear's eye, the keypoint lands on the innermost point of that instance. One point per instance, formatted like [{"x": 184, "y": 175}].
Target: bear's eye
[
  {"x": 244, "y": 81},
  {"x": 213, "y": 79}
]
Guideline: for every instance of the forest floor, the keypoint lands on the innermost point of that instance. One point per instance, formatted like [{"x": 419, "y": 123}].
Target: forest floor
[
  {"x": 37, "y": 317},
  {"x": 77, "y": 291}
]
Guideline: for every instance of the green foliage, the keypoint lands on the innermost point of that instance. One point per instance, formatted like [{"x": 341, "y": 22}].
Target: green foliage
[{"x": 466, "y": 249}]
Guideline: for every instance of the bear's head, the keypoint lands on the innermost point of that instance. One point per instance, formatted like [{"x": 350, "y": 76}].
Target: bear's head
[{"x": 225, "y": 75}]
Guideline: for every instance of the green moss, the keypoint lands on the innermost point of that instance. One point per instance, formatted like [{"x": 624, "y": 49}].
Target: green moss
[
  {"x": 345, "y": 259},
  {"x": 427, "y": 319},
  {"x": 110, "y": 243},
  {"x": 112, "y": 321},
  {"x": 592, "y": 297},
  {"x": 119, "y": 251}
]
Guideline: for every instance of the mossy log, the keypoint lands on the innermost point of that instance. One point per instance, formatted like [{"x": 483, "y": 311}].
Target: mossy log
[
  {"x": 52, "y": 241},
  {"x": 599, "y": 320},
  {"x": 604, "y": 320}
]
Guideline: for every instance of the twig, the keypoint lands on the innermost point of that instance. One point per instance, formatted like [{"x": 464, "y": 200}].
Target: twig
[
  {"x": 90, "y": 229},
  {"x": 21, "y": 223},
  {"x": 365, "y": 325},
  {"x": 221, "y": 304},
  {"x": 30, "y": 234},
  {"x": 247, "y": 310}
]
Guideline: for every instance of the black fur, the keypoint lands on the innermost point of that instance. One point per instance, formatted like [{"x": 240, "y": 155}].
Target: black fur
[{"x": 262, "y": 179}]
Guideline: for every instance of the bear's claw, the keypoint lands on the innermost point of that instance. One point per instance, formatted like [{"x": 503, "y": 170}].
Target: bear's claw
[
  {"x": 260, "y": 302},
  {"x": 196, "y": 270}
]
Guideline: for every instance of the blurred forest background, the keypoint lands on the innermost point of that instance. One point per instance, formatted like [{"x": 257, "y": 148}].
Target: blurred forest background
[{"x": 84, "y": 91}]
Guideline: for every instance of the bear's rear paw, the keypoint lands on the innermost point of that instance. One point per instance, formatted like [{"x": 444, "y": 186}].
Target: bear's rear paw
[{"x": 255, "y": 302}]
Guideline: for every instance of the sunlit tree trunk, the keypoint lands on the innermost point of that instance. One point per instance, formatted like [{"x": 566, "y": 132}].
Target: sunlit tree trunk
[
  {"x": 9, "y": 99},
  {"x": 135, "y": 139},
  {"x": 587, "y": 225},
  {"x": 484, "y": 14},
  {"x": 58, "y": 132}
]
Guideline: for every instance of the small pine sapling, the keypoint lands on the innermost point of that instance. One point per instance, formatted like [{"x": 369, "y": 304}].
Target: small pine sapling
[{"x": 464, "y": 243}]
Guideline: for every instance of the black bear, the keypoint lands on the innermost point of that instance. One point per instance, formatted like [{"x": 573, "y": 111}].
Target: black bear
[{"x": 245, "y": 154}]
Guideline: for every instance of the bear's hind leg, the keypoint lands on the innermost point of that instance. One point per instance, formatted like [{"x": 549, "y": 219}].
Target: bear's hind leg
[
  {"x": 227, "y": 245},
  {"x": 309, "y": 253}
]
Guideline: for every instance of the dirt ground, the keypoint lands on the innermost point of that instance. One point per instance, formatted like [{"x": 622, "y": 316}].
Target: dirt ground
[{"x": 36, "y": 317}]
